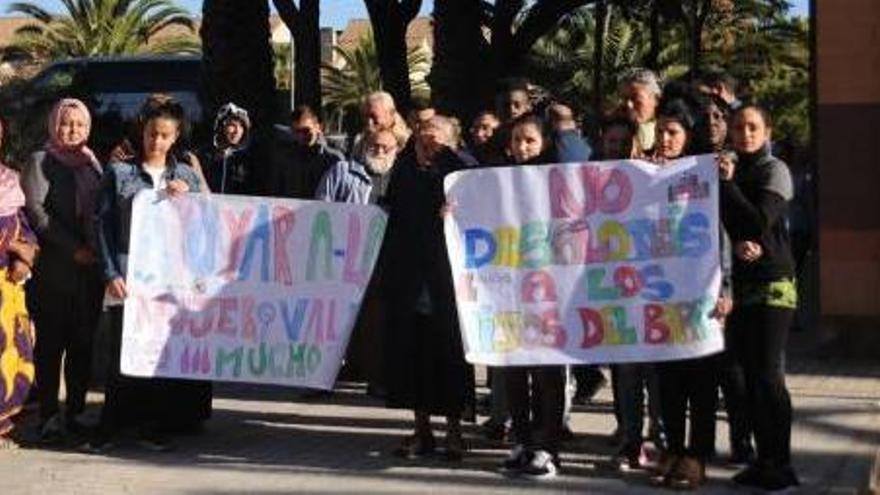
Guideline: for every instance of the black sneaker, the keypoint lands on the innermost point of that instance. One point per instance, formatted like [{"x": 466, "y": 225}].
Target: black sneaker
[
  {"x": 630, "y": 459},
  {"x": 778, "y": 480},
  {"x": 541, "y": 466},
  {"x": 518, "y": 458},
  {"x": 153, "y": 441},
  {"x": 750, "y": 476},
  {"x": 51, "y": 431}
]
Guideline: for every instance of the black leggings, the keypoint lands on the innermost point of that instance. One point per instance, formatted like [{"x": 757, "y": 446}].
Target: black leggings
[
  {"x": 547, "y": 400},
  {"x": 689, "y": 384},
  {"x": 66, "y": 324},
  {"x": 757, "y": 336}
]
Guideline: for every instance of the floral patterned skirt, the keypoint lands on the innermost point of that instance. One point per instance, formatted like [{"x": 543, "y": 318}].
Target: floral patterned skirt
[{"x": 16, "y": 351}]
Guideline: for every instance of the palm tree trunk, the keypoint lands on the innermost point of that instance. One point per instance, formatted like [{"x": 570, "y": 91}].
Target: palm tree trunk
[
  {"x": 390, "y": 20},
  {"x": 237, "y": 65},
  {"x": 653, "y": 61},
  {"x": 307, "y": 56},
  {"x": 599, "y": 55},
  {"x": 461, "y": 80},
  {"x": 305, "y": 30}
]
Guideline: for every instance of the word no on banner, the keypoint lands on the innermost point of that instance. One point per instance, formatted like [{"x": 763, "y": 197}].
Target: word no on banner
[
  {"x": 245, "y": 289},
  {"x": 599, "y": 262}
]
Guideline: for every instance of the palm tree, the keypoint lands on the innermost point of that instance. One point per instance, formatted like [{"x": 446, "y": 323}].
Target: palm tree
[
  {"x": 565, "y": 59},
  {"x": 358, "y": 75},
  {"x": 103, "y": 27}
]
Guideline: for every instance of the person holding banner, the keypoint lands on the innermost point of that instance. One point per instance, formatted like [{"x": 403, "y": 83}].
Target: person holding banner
[
  {"x": 641, "y": 90},
  {"x": 149, "y": 405},
  {"x": 756, "y": 189},
  {"x": 730, "y": 376},
  {"x": 631, "y": 381},
  {"x": 687, "y": 384},
  {"x": 18, "y": 249},
  {"x": 61, "y": 184},
  {"x": 538, "y": 410},
  {"x": 426, "y": 371}
]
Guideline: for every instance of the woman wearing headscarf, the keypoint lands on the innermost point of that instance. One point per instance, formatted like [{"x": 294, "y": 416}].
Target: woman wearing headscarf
[
  {"x": 61, "y": 184},
  {"x": 17, "y": 251}
]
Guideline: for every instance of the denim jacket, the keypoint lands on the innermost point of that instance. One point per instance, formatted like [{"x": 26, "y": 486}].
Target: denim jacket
[
  {"x": 345, "y": 182},
  {"x": 122, "y": 181}
]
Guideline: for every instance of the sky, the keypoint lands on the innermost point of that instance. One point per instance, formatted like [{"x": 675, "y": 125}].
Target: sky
[{"x": 336, "y": 13}]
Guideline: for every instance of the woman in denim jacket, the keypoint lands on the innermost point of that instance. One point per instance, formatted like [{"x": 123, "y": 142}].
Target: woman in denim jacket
[{"x": 148, "y": 405}]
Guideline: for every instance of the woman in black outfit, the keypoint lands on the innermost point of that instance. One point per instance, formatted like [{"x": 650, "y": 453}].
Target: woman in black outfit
[
  {"x": 729, "y": 373},
  {"x": 756, "y": 190},
  {"x": 689, "y": 384},
  {"x": 426, "y": 371},
  {"x": 535, "y": 394}
]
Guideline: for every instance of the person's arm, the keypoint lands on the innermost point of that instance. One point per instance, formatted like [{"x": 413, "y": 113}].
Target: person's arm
[
  {"x": 746, "y": 219},
  {"x": 36, "y": 189},
  {"x": 107, "y": 227},
  {"x": 326, "y": 190},
  {"x": 197, "y": 168}
]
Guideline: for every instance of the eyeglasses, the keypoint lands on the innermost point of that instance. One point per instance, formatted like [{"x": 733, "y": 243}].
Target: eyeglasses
[{"x": 382, "y": 148}]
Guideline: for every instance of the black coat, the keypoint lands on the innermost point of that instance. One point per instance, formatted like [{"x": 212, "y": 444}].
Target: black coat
[
  {"x": 426, "y": 368},
  {"x": 50, "y": 188}
]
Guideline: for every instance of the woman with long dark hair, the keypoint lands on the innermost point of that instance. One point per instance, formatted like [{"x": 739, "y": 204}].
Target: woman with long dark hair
[
  {"x": 689, "y": 384},
  {"x": 756, "y": 189},
  {"x": 151, "y": 406}
]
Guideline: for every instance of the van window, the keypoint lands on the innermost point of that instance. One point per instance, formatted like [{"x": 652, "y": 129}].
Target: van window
[{"x": 55, "y": 80}]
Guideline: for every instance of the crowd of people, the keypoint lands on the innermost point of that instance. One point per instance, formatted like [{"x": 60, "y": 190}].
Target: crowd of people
[{"x": 65, "y": 218}]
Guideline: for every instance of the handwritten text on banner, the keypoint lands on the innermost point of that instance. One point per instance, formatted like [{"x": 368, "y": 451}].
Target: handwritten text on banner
[
  {"x": 595, "y": 262},
  {"x": 244, "y": 289}
]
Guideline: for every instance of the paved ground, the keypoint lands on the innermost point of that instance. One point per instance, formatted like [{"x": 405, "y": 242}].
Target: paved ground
[{"x": 262, "y": 441}]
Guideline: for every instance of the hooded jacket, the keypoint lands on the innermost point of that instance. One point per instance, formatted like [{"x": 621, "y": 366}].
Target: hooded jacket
[{"x": 227, "y": 167}]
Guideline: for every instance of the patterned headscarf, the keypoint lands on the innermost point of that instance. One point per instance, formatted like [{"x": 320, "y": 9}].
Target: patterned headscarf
[{"x": 11, "y": 195}]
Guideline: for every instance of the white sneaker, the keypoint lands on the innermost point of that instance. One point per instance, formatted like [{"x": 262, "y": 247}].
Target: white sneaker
[{"x": 541, "y": 466}]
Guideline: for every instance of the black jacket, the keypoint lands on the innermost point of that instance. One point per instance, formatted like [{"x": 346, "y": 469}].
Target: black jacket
[
  {"x": 754, "y": 207},
  {"x": 51, "y": 207}
]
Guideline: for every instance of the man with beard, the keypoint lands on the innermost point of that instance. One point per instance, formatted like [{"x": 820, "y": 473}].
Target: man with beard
[
  {"x": 379, "y": 113},
  {"x": 364, "y": 183}
]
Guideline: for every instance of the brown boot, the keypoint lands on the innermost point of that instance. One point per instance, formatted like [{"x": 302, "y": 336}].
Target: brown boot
[
  {"x": 690, "y": 474},
  {"x": 667, "y": 465}
]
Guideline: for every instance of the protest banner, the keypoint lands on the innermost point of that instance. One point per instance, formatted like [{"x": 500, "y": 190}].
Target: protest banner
[
  {"x": 586, "y": 263},
  {"x": 242, "y": 289}
]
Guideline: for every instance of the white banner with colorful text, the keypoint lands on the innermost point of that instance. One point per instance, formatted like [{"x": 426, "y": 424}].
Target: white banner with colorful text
[
  {"x": 598, "y": 262},
  {"x": 243, "y": 289}
]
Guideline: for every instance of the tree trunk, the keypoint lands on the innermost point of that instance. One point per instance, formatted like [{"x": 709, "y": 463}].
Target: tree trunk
[
  {"x": 461, "y": 78},
  {"x": 237, "y": 66},
  {"x": 390, "y": 20},
  {"x": 306, "y": 35},
  {"x": 599, "y": 56},
  {"x": 653, "y": 61},
  {"x": 466, "y": 67}
]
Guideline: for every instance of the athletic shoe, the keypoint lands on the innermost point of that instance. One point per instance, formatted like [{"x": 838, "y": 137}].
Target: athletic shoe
[
  {"x": 51, "y": 431},
  {"x": 749, "y": 476},
  {"x": 541, "y": 466},
  {"x": 518, "y": 458},
  {"x": 778, "y": 480}
]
